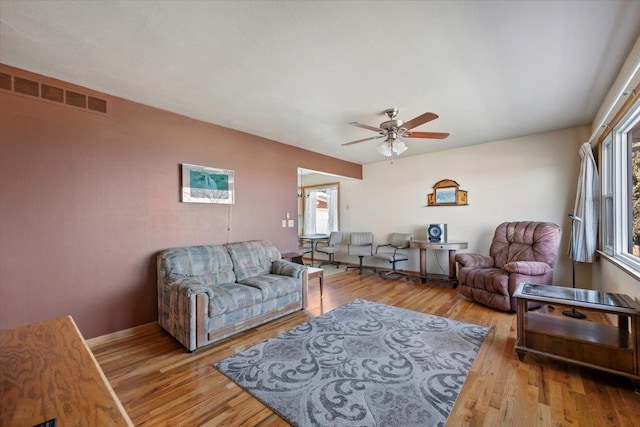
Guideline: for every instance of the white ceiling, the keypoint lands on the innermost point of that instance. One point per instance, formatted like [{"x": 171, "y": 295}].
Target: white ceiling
[{"x": 299, "y": 72}]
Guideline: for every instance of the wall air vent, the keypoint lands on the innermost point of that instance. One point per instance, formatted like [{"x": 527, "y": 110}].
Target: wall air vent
[
  {"x": 99, "y": 105},
  {"x": 27, "y": 87},
  {"x": 50, "y": 93},
  {"x": 76, "y": 99},
  {"x": 5, "y": 81}
]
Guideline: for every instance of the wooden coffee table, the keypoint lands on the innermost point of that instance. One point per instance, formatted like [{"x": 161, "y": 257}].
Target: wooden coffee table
[{"x": 588, "y": 343}]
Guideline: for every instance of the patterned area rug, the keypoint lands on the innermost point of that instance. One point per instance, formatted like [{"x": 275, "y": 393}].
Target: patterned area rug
[{"x": 362, "y": 364}]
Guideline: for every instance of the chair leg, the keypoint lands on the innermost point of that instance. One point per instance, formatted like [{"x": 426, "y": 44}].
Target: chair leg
[
  {"x": 393, "y": 271},
  {"x": 359, "y": 268},
  {"x": 331, "y": 260}
]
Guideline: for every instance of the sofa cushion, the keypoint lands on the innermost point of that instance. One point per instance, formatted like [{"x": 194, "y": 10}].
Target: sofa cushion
[
  {"x": 230, "y": 297},
  {"x": 252, "y": 258},
  {"x": 211, "y": 263},
  {"x": 272, "y": 285}
]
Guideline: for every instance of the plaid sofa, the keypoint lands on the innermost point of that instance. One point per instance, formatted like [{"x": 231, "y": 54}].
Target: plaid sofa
[{"x": 207, "y": 293}]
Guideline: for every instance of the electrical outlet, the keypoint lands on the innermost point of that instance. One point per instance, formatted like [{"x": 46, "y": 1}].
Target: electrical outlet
[
  {"x": 290, "y": 223},
  {"x": 284, "y": 223}
]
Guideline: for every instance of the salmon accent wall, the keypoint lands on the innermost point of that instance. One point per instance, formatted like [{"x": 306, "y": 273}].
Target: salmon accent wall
[{"x": 88, "y": 199}]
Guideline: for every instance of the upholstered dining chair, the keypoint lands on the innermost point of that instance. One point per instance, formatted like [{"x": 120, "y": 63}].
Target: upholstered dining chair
[
  {"x": 360, "y": 245},
  {"x": 523, "y": 251},
  {"x": 394, "y": 252},
  {"x": 330, "y": 247}
]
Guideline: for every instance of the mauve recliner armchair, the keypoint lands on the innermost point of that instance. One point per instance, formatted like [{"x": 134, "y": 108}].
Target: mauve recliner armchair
[{"x": 522, "y": 251}]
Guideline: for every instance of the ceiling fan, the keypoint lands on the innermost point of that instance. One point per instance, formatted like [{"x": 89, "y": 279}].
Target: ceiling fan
[{"x": 394, "y": 129}]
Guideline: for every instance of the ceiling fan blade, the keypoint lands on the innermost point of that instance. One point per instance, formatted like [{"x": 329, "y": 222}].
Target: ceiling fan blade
[
  {"x": 420, "y": 120},
  {"x": 431, "y": 135},
  {"x": 360, "y": 125},
  {"x": 362, "y": 140}
]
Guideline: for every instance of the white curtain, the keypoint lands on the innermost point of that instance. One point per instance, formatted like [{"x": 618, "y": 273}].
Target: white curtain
[
  {"x": 332, "y": 207},
  {"x": 310, "y": 203},
  {"x": 586, "y": 207}
]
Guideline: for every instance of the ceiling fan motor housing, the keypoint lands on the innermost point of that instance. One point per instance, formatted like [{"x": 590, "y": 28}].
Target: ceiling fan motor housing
[{"x": 391, "y": 124}]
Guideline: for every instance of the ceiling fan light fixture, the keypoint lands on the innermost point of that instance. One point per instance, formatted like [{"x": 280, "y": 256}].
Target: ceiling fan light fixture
[
  {"x": 399, "y": 147},
  {"x": 385, "y": 149}
]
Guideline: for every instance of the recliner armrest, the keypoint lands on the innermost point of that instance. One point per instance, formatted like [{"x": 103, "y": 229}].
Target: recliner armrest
[
  {"x": 475, "y": 260},
  {"x": 287, "y": 268},
  {"x": 530, "y": 268}
]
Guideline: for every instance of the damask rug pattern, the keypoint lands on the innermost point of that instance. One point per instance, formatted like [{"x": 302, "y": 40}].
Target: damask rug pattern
[{"x": 361, "y": 364}]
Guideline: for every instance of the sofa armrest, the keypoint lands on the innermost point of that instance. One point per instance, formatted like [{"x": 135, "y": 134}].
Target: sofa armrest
[
  {"x": 529, "y": 268},
  {"x": 288, "y": 268},
  {"x": 183, "y": 303},
  {"x": 187, "y": 286},
  {"x": 474, "y": 260}
]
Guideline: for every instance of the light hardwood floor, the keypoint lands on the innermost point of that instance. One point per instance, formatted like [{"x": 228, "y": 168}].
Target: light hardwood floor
[{"x": 160, "y": 383}]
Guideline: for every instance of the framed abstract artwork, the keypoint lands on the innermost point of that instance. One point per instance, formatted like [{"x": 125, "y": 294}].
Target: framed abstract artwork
[{"x": 203, "y": 184}]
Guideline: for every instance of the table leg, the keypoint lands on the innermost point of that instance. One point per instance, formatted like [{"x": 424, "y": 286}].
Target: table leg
[
  {"x": 521, "y": 310},
  {"x": 623, "y": 322},
  {"x": 452, "y": 268},
  {"x": 452, "y": 264},
  {"x": 423, "y": 262}
]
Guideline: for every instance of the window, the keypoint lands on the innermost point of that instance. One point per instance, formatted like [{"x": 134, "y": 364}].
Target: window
[
  {"x": 320, "y": 208},
  {"x": 607, "y": 195},
  {"x": 621, "y": 191}
]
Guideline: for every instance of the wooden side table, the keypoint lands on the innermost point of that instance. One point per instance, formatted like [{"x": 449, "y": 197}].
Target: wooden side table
[
  {"x": 600, "y": 346},
  {"x": 293, "y": 257},
  {"x": 451, "y": 246},
  {"x": 316, "y": 272}
]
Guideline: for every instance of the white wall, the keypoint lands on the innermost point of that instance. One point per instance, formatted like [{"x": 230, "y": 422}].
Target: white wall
[
  {"x": 610, "y": 278},
  {"x": 528, "y": 178}
]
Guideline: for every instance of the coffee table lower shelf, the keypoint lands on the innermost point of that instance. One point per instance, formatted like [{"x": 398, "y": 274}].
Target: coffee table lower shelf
[{"x": 585, "y": 343}]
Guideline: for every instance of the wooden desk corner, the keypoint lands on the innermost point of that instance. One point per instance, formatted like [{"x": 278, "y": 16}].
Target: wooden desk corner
[{"x": 47, "y": 371}]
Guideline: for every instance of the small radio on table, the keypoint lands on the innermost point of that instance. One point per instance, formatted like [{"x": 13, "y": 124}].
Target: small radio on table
[{"x": 437, "y": 232}]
